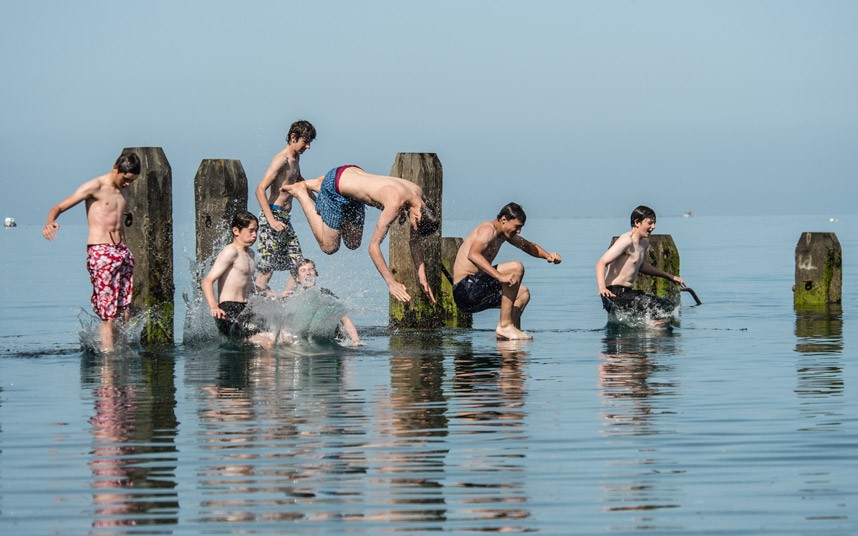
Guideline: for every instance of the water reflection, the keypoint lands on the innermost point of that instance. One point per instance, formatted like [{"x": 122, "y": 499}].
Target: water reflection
[
  {"x": 133, "y": 460},
  {"x": 819, "y": 340},
  {"x": 637, "y": 477},
  {"x": 819, "y": 343},
  {"x": 279, "y": 434},
  {"x": 414, "y": 466},
  {"x": 490, "y": 394}
]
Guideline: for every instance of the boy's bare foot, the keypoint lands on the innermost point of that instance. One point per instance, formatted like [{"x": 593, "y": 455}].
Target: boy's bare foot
[
  {"x": 295, "y": 189},
  {"x": 511, "y": 333}
]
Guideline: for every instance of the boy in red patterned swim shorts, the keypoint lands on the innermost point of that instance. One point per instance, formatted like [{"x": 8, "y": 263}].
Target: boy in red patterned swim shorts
[{"x": 109, "y": 261}]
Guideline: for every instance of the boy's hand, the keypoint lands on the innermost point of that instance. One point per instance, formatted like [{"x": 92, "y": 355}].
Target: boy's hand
[
  {"x": 427, "y": 290},
  {"x": 217, "y": 312},
  {"x": 397, "y": 290},
  {"x": 509, "y": 279},
  {"x": 605, "y": 293},
  {"x": 553, "y": 258},
  {"x": 278, "y": 226},
  {"x": 49, "y": 231},
  {"x": 679, "y": 280}
]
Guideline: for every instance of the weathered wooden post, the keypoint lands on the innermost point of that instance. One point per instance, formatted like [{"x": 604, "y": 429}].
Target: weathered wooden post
[
  {"x": 220, "y": 189},
  {"x": 149, "y": 232},
  {"x": 818, "y": 269},
  {"x": 425, "y": 170},
  {"x": 662, "y": 254},
  {"x": 453, "y": 317}
]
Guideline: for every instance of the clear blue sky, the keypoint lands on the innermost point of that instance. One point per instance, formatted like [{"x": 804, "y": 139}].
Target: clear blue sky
[{"x": 570, "y": 108}]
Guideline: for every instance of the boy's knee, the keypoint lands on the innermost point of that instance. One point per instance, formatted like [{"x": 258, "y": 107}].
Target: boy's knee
[
  {"x": 329, "y": 249},
  {"x": 518, "y": 267}
]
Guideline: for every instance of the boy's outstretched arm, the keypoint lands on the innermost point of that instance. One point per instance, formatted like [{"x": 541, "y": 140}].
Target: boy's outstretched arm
[
  {"x": 534, "y": 250},
  {"x": 83, "y": 192},
  {"x": 649, "y": 269}
]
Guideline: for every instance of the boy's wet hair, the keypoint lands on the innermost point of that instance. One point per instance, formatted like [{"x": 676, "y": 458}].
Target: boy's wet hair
[
  {"x": 513, "y": 211},
  {"x": 242, "y": 219},
  {"x": 301, "y": 129},
  {"x": 128, "y": 163},
  {"x": 303, "y": 262},
  {"x": 429, "y": 221},
  {"x": 641, "y": 213}
]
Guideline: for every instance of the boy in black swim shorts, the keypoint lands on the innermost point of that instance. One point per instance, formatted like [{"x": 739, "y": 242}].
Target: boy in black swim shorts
[
  {"x": 478, "y": 285},
  {"x": 617, "y": 269},
  {"x": 233, "y": 271}
]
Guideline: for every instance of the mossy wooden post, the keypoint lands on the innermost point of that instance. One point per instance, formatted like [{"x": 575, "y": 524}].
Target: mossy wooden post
[
  {"x": 148, "y": 224},
  {"x": 818, "y": 269},
  {"x": 453, "y": 317},
  {"x": 220, "y": 189},
  {"x": 425, "y": 170},
  {"x": 662, "y": 254}
]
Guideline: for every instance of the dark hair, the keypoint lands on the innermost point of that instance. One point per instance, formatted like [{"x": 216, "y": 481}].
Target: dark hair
[
  {"x": 301, "y": 129},
  {"x": 128, "y": 163},
  {"x": 512, "y": 211},
  {"x": 429, "y": 221},
  {"x": 242, "y": 219},
  {"x": 641, "y": 213}
]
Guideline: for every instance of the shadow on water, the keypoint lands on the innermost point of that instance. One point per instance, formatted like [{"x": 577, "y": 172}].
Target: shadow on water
[
  {"x": 634, "y": 401},
  {"x": 134, "y": 457}
]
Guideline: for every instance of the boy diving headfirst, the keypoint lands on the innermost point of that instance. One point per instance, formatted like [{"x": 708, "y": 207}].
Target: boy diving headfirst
[{"x": 338, "y": 214}]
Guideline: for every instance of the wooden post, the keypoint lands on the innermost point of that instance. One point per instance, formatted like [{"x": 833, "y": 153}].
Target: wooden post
[
  {"x": 662, "y": 254},
  {"x": 425, "y": 170},
  {"x": 220, "y": 190},
  {"x": 818, "y": 269},
  {"x": 149, "y": 232},
  {"x": 453, "y": 317}
]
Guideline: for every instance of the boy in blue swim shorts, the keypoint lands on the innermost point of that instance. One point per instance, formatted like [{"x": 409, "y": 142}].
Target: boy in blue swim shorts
[
  {"x": 478, "y": 285},
  {"x": 337, "y": 216},
  {"x": 278, "y": 246}
]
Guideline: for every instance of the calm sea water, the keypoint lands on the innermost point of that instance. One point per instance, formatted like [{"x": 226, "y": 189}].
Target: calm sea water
[{"x": 744, "y": 420}]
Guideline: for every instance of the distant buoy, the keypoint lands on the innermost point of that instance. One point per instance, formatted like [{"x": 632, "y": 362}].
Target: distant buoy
[{"x": 10, "y": 222}]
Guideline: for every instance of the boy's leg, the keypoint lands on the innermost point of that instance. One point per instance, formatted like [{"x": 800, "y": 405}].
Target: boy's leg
[
  {"x": 521, "y": 301},
  {"x": 328, "y": 239},
  {"x": 106, "y": 335},
  {"x": 510, "y": 299}
]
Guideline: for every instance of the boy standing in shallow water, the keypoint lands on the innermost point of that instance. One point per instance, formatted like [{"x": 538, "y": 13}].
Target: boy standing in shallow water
[
  {"x": 233, "y": 270},
  {"x": 477, "y": 285},
  {"x": 338, "y": 213},
  {"x": 279, "y": 248},
  {"x": 617, "y": 269},
  {"x": 108, "y": 260}
]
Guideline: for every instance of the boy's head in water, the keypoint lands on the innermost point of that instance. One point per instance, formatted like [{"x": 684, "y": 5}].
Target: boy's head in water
[{"x": 306, "y": 273}]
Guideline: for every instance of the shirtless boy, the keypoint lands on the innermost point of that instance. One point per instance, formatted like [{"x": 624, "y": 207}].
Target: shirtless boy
[
  {"x": 477, "y": 285},
  {"x": 233, "y": 270},
  {"x": 279, "y": 248},
  {"x": 338, "y": 213},
  {"x": 108, "y": 260},
  {"x": 617, "y": 269},
  {"x": 307, "y": 276}
]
